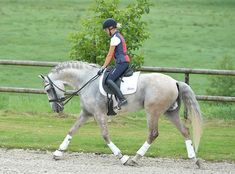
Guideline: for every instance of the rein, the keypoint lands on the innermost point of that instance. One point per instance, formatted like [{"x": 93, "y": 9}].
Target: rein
[{"x": 69, "y": 97}]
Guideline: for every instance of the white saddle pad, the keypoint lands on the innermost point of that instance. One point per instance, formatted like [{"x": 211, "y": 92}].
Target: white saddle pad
[{"x": 128, "y": 84}]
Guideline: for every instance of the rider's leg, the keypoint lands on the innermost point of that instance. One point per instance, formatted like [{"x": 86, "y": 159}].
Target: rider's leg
[
  {"x": 122, "y": 100},
  {"x": 118, "y": 70}
]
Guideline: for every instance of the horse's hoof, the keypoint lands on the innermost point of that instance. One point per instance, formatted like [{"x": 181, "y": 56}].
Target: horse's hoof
[
  {"x": 131, "y": 162},
  {"x": 124, "y": 159},
  {"x": 57, "y": 155},
  {"x": 199, "y": 163}
]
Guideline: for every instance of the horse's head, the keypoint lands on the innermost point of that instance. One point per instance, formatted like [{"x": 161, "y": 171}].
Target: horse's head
[{"x": 55, "y": 92}]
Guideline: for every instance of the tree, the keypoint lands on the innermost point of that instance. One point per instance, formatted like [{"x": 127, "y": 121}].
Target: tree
[{"x": 91, "y": 43}]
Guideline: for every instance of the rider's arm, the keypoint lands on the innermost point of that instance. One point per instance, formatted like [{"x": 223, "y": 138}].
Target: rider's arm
[
  {"x": 114, "y": 42},
  {"x": 109, "y": 56}
]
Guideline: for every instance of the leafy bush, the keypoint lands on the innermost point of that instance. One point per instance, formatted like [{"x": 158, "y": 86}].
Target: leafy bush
[
  {"x": 223, "y": 85},
  {"x": 91, "y": 43}
]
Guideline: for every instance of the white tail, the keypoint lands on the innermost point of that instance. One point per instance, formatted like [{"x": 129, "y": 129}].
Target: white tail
[{"x": 193, "y": 108}]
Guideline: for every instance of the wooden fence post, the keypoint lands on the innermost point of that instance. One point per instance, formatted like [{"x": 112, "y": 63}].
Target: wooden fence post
[{"x": 186, "y": 79}]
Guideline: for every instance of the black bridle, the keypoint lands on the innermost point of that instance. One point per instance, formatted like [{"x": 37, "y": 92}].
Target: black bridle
[
  {"x": 52, "y": 87},
  {"x": 66, "y": 99}
]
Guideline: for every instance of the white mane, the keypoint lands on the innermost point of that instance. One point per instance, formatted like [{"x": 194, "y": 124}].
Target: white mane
[{"x": 73, "y": 65}]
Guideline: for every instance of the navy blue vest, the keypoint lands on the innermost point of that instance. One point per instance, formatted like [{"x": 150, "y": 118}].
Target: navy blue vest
[{"x": 120, "y": 53}]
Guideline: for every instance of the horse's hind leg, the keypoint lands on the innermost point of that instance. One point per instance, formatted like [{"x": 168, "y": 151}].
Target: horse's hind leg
[
  {"x": 152, "y": 120},
  {"x": 64, "y": 145},
  {"x": 175, "y": 119}
]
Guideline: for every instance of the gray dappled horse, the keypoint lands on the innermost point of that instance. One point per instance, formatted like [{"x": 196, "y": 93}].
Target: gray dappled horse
[{"x": 156, "y": 93}]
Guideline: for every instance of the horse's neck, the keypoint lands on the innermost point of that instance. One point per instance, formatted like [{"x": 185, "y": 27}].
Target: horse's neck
[{"x": 73, "y": 77}]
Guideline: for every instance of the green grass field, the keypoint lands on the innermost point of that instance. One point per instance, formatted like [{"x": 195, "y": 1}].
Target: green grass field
[
  {"x": 193, "y": 33},
  {"x": 183, "y": 33},
  {"x": 46, "y": 132}
]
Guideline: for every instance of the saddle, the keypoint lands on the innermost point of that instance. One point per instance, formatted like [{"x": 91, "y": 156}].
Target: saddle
[
  {"x": 127, "y": 83},
  {"x": 129, "y": 72}
]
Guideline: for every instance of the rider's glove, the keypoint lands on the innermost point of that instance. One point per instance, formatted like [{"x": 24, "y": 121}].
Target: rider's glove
[{"x": 100, "y": 71}]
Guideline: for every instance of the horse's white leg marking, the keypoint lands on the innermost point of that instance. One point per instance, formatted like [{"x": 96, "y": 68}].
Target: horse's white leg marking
[
  {"x": 140, "y": 153},
  {"x": 101, "y": 119},
  {"x": 64, "y": 145},
  {"x": 59, "y": 153},
  {"x": 114, "y": 148},
  {"x": 153, "y": 134},
  {"x": 117, "y": 152},
  {"x": 143, "y": 149},
  {"x": 190, "y": 150},
  {"x": 174, "y": 118}
]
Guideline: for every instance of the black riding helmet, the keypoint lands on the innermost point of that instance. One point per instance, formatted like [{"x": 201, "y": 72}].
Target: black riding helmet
[{"x": 110, "y": 22}]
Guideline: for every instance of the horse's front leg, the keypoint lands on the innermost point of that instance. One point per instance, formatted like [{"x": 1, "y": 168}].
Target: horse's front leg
[
  {"x": 102, "y": 121},
  {"x": 64, "y": 145}
]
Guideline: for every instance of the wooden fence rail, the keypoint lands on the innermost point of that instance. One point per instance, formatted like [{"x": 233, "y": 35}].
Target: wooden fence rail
[
  {"x": 143, "y": 68},
  {"x": 27, "y": 90},
  {"x": 41, "y": 91},
  {"x": 186, "y": 71}
]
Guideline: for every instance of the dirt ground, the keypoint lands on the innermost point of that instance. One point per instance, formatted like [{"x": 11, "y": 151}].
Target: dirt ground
[{"x": 19, "y": 161}]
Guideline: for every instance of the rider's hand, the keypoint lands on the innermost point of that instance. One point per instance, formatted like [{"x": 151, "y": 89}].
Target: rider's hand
[{"x": 100, "y": 71}]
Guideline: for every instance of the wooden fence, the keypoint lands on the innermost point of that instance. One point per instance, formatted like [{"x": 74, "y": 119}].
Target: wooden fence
[{"x": 186, "y": 71}]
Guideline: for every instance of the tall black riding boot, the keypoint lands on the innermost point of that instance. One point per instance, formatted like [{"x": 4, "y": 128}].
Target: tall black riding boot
[{"x": 122, "y": 101}]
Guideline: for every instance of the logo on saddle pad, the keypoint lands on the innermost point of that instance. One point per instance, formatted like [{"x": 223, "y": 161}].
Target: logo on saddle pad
[{"x": 128, "y": 85}]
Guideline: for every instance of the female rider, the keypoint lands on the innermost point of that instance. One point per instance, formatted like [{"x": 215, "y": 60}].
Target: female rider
[{"x": 117, "y": 50}]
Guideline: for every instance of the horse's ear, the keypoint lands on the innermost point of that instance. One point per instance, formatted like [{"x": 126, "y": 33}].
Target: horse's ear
[{"x": 41, "y": 76}]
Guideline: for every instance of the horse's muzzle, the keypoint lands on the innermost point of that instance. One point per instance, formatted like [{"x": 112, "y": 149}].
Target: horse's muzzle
[{"x": 57, "y": 107}]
